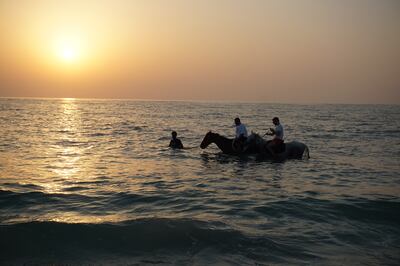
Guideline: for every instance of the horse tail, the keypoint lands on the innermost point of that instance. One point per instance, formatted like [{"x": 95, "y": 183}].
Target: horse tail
[{"x": 306, "y": 153}]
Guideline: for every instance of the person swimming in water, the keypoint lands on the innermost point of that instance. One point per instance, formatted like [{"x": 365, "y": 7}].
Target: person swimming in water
[{"x": 175, "y": 143}]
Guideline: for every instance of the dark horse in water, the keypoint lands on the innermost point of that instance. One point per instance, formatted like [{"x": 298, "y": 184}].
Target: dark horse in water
[{"x": 255, "y": 145}]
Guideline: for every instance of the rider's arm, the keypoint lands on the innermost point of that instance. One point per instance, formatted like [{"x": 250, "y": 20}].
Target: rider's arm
[{"x": 271, "y": 133}]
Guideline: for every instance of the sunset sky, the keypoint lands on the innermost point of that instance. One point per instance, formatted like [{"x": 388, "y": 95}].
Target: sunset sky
[{"x": 294, "y": 51}]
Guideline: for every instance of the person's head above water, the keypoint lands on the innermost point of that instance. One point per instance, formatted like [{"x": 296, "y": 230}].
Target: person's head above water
[
  {"x": 275, "y": 120},
  {"x": 237, "y": 121},
  {"x": 174, "y": 134}
]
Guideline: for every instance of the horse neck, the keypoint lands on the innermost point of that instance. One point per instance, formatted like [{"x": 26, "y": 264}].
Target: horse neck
[{"x": 223, "y": 143}]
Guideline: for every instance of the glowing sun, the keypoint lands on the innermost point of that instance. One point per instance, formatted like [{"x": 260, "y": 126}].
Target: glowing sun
[
  {"x": 68, "y": 50},
  {"x": 68, "y": 54}
]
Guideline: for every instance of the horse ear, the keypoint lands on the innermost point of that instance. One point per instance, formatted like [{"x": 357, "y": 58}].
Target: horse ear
[{"x": 209, "y": 131}]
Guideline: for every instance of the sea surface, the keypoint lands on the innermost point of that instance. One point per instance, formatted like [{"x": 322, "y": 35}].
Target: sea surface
[{"x": 94, "y": 182}]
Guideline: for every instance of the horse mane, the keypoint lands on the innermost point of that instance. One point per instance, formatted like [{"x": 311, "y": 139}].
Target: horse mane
[{"x": 215, "y": 134}]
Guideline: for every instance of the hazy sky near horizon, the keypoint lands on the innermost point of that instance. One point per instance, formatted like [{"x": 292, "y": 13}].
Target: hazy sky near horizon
[{"x": 297, "y": 51}]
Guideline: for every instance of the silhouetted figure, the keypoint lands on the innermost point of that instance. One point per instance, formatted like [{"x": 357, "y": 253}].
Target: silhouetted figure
[
  {"x": 175, "y": 143},
  {"x": 277, "y": 141},
  {"x": 241, "y": 135}
]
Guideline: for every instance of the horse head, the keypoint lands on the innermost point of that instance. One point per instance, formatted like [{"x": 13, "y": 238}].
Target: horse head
[{"x": 208, "y": 139}]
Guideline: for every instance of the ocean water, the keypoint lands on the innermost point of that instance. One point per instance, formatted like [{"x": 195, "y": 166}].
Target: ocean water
[{"x": 93, "y": 182}]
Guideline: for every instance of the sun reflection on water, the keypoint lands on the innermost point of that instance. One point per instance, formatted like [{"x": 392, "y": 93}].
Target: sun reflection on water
[{"x": 67, "y": 149}]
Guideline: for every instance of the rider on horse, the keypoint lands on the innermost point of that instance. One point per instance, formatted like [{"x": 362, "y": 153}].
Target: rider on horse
[
  {"x": 277, "y": 140},
  {"x": 241, "y": 135}
]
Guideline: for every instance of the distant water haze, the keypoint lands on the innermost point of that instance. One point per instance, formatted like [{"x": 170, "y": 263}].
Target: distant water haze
[{"x": 273, "y": 51}]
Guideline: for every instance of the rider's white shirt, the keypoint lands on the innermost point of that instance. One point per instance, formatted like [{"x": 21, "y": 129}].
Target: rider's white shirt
[
  {"x": 241, "y": 130},
  {"x": 279, "y": 132}
]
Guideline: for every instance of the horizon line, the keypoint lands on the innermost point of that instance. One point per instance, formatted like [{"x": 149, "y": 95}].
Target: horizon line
[{"x": 190, "y": 100}]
